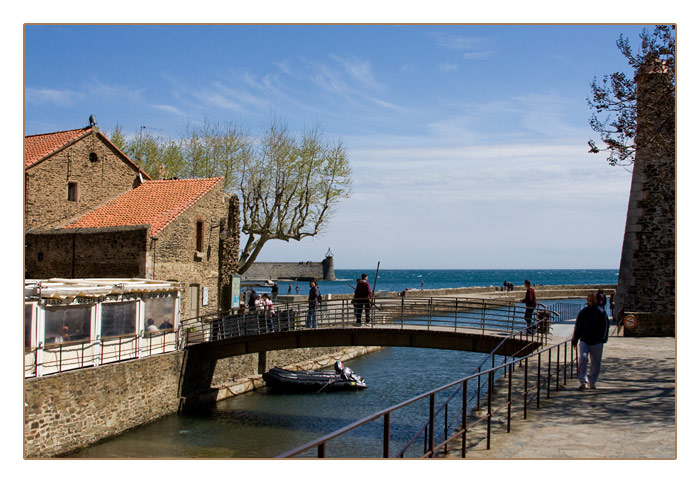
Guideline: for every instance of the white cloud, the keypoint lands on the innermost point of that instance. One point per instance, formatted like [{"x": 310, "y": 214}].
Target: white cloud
[
  {"x": 57, "y": 97},
  {"x": 447, "y": 67},
  {"x": 168, "y": 109},
  {"x": 471, "y": 48},
  {"x": 359, "y": 70}
]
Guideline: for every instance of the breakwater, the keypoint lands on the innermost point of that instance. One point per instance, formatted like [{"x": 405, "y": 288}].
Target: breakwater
[{"x": 302, "y": 271}]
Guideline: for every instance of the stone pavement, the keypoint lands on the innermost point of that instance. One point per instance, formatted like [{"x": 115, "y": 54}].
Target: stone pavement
[{"x": 631, "y": 414}]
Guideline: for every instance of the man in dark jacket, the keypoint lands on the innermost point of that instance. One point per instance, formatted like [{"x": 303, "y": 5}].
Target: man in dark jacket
[
  {"x": 361, "y": 299},
  {"x": 314, "y": 304},
  {"x": 591, "y": 330},
  {"x": 530, "y": 302}
]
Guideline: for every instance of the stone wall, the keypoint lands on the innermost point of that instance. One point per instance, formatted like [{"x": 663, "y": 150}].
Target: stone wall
[
  {"x": 173, "y": 255},
  {"x": 71, "y": 410},
  {"x": 652, "y": 325},
  {"x": 647, "y": 266},
  {"x": 290, "y": 271},
  {"x": 87, "y": 252},
  {"x": 46, "y": 183}
]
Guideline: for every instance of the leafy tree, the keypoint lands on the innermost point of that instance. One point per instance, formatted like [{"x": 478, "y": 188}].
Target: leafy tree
[
  {"x": 159, "y": 157},
  {"x": 615, "y": 99},
  {"x": 117, "y": 138},
  {"x": 214, "y": 149}
]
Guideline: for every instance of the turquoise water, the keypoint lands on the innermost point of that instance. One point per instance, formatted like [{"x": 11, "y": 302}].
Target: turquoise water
[{"x": 398, "y": 280}]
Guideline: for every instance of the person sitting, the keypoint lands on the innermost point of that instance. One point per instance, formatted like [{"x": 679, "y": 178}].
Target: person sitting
[{"x": 151, "y": 326}]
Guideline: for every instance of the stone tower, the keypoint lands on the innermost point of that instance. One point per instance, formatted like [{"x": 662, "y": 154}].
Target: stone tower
[{"x": 646, "y": 285}]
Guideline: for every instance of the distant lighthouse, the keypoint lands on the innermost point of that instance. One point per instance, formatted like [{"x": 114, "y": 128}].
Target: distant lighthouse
[{"x": 328, "y": 268}]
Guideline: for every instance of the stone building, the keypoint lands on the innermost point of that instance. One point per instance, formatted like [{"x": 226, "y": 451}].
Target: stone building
[
  {"x": 90, "y": 212},
  {"x": 184, "y": 230},
  {"x": 71, "y": 172}
]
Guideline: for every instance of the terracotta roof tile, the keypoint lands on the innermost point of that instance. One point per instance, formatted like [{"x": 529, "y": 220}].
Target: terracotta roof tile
[
  {"x": 156, "y": 203},
  {"x": 38, "y": 146}
]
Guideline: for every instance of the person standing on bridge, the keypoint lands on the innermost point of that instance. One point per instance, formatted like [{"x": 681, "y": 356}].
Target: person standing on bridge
[
  {"x": 530, "y": 301},
  {"x": 314, "y": 304},
  {"x": 362, "y": 299},
  {"x": 591, "y": 330},
  {"x": 269, "y": 312}
]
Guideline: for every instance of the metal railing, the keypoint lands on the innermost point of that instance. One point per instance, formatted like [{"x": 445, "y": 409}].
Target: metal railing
[
  {"x": 565, "y": 311},
  {"x": 502, "y": 317},
  {"x": 436, "y": 441},
  {"x": 53, "y": 358}
]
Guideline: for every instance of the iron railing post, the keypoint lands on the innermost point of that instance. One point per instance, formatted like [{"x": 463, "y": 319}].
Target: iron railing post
[
  {"x": 387, "y": 434},
  {"x": 510, "y": 395},
  {"x": 488, "y": 419},
  {"x": 446, "y": 424},
  {"x": 539, "y": 375},
  {"x": 558, "y": 366},
  {"x": 525, "y": 391},
  {"x": 431, "y": 425},
  {"x": 549, "y": 371},
  {"x": 430, "y": 311},
  {"x": 456, "y": 312},
  {"x": 465, "y": 400},
  {"x": 478, "y": 389}
]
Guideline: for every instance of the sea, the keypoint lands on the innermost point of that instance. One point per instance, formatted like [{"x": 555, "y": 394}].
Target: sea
[{"x": 398, "y": 280}]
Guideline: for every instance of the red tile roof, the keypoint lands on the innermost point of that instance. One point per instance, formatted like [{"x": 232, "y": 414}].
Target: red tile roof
[
  {"x": 155, "y": 203},
  {"x": 39, "y": 146}
]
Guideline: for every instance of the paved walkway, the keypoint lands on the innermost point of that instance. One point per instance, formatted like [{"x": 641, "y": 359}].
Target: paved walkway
[{"x": 631, "y": 414}]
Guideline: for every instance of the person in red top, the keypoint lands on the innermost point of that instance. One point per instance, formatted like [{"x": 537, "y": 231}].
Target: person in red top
[
  {"x": 530, "y": 301},
  {"x": 362, "y": 299}
]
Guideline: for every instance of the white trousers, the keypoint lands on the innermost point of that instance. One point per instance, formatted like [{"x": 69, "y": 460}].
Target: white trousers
[{"x": 595, "y": 353}]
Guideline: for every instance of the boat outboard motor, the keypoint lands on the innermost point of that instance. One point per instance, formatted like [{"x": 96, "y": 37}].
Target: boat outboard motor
[
  {"x": 347, "y": 374},
  {"x": 338, "y": 367}
]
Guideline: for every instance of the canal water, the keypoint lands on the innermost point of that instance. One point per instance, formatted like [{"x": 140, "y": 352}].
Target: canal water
[{"x": 265, "y": 423}]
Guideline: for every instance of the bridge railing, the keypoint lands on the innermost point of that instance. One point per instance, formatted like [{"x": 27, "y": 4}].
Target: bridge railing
[
  {"x": 439, "y": 432},
  {"x": 565, "y": 310},
  {"x": 503, "y": 317}
]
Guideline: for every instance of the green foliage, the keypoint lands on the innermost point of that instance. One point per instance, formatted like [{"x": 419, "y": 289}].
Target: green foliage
[{"x": 615, "y": 99}]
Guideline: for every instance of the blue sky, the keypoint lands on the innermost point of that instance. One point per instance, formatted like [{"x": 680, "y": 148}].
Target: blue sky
[{"x": 467, "y": 142}]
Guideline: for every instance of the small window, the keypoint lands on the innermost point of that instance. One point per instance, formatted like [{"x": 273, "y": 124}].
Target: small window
[
  {"x": 200, "y": 236},
  {"x": 93, "y": 157},
  {"x": 72, "y": 191}
]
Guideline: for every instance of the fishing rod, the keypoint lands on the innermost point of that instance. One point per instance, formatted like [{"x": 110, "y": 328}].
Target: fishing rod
[{"x": 374, "y": 287}]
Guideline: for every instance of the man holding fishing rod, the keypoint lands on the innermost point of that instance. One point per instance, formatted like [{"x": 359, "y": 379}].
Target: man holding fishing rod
[{"x": 362, "y": 299}]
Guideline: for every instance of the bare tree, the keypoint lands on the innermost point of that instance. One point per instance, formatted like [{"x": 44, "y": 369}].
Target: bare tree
[{"x": 289, "y": 188}]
